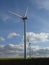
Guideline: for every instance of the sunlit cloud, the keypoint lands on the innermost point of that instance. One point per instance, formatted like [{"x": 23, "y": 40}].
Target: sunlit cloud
[
  {"x": 37, "y": 37},
  {"x": 13, "y": 35}
]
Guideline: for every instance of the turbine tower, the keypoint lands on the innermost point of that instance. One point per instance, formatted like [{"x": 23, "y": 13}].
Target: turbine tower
[{"x": 24, "y": 18}]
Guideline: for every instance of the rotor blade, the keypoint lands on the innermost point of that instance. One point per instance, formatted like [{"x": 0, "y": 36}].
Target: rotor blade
[
  {"x": 26, "y": 11},
  {"x": 15, "y": 14}
]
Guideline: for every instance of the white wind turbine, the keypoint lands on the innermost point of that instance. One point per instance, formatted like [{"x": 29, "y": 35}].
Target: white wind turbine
[{"x": 24, "y": 18}]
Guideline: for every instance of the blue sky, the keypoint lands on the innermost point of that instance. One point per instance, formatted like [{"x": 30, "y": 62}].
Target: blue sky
[{"x": 38, "y": 19}]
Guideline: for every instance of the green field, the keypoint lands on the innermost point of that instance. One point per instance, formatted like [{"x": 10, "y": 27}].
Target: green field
[
  {"x": 21, "y": 58},
  {"x": 22, "y": 61}
]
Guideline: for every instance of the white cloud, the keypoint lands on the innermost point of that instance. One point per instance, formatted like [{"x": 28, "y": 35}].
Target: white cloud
[
  {"x": 34, "y": 37},
  {"x": 41, "y": 3},
  {"x": 13, "y": 34},
  {"x": 2, "y": 39}
]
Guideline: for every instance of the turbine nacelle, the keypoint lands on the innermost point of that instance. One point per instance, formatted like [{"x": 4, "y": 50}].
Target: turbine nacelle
[{"x": 24, "y": 18}]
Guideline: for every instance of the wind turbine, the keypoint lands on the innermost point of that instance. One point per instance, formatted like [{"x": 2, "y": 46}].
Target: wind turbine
[
  {"x": 29, "y": 49},
  {"x": 24, "y": 18},
  {"x": 29, "y": 45}
]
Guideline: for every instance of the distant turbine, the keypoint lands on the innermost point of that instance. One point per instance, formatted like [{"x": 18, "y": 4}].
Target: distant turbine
[
  {"x": 24, "y": 18},
  {"x": 29, "y": 44},
  {"x": 29, "y": 49}
]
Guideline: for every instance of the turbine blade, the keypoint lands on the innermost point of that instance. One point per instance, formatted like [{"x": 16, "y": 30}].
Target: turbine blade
[
  {"x": 15, "y": 14},
  {"x": 26, "y": 11}
]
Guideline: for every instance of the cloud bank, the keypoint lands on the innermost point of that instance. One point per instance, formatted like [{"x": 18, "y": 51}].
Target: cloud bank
[{"x": 16, "y": 51}]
